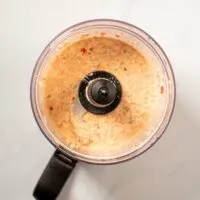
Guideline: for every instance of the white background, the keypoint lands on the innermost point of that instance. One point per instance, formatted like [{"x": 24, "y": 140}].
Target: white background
[{"x": 169, "y": 170}]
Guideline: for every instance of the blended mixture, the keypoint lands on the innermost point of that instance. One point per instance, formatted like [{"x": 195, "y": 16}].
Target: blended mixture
[{"x": 119, "y": 131}]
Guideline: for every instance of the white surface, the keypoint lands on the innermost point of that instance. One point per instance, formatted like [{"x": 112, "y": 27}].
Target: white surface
[{"x": 169, "y": 170}]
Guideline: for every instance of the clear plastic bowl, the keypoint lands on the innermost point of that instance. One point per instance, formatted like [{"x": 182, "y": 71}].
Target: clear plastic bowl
[{"x": 127, "y": 33}]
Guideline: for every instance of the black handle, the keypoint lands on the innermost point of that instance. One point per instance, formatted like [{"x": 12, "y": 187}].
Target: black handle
[{"x": 54, "y": 177}]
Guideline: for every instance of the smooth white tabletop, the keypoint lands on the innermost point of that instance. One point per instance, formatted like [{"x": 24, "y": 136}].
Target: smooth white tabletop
[{"x": 169, "y": 170}]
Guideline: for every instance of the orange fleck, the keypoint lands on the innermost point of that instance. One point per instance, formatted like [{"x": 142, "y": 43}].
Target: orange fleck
[
  {"x": 50, "y": 108},
  {"x": 83, "y": 50},
  {"x": 161, "y": 89}
]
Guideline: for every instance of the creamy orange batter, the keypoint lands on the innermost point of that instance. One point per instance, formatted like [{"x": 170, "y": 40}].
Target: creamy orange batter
[{"x": 115, "y": 132}]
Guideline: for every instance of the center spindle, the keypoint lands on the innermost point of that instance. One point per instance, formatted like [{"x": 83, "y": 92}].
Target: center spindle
[
  {"x": 100, "y": 92},
  {"x": 103, "y": 91}
]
